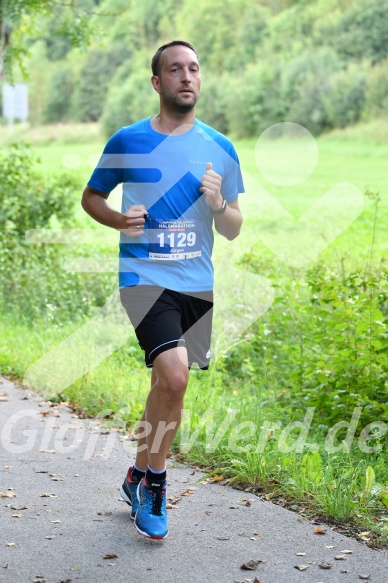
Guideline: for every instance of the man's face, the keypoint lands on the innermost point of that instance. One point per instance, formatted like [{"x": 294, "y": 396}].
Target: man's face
[{"x": 179, "y": 81}]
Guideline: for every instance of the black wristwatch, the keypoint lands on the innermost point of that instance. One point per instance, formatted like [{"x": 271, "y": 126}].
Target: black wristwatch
[{"x": 221, "y": 210}]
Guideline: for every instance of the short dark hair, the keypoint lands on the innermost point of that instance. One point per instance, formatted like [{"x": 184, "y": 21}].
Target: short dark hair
[{"x": 155, "y": 63}]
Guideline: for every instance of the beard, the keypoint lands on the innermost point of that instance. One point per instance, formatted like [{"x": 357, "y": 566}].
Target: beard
[{"x": 178, "y": 103}]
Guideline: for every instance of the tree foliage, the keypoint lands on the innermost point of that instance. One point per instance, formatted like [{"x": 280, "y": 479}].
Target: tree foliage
[
  {"x": 362, "y": 31},
  {"x": 283, "y": 59},
  {"x": 18, "y": 19}
]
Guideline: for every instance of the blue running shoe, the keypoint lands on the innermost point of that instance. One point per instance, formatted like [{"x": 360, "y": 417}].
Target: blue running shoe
[
  {"x": 129, "y": 492},
  {"x": 151, "y": 516}
]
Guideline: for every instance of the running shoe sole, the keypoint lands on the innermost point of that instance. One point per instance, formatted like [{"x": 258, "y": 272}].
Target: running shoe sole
[{"x": 127, "y": 499}]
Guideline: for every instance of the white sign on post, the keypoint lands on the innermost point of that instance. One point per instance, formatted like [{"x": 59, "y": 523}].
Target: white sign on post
[{"x": 15, "y": 102}]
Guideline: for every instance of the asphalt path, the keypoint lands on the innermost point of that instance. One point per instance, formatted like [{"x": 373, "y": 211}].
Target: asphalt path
[{"x": 62, "y": 518}]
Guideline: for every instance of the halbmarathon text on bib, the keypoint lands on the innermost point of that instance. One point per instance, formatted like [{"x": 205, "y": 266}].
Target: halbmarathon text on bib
[{"x": 172, "y": 240}]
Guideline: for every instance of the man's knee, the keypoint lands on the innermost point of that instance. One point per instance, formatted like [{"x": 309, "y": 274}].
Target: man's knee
[
  {"x": 172, "y": 373},
  {"x": 173, "y": 382}
]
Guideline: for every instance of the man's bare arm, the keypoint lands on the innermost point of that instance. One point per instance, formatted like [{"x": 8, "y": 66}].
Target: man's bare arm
[
  {"x": 96, "y": 205},
  {"x": 229, "y": 222}
]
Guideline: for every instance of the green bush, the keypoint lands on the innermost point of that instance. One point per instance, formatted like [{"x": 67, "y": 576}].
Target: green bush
[
  {"x": 305, "y": 81},
  {"x": 323, "y": 344},
  {"x": 253, "y": 102},
  {"x": 95, "y": 77},
  {"x": 347, "y": 365},
  {"x": 128, "y": 102},
  {"x": 26, "y": 200},
  {"x": 362, "y": 32},
  {"x": 58, "y": 104},
  {"x": 376, "y": 96},
  {"x": 211, "y": 105},
  {"x": 344, "y": 99},
  {"x": 33, "y": 280}
]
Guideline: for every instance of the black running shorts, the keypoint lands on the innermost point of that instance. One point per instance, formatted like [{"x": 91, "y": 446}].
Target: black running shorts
[{"x": 164, "y": 319}]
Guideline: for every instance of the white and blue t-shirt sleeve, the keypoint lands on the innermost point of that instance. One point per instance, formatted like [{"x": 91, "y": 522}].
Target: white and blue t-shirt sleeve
[
  {"x": 232, "y": 183},
  {"x": 109, "y": 170}
]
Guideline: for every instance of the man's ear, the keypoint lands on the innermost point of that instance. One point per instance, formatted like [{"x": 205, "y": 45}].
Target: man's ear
[{"x": 155, "y": 83}]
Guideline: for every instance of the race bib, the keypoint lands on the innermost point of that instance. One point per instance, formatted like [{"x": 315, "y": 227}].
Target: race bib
[{"x": 172, "y": 240}]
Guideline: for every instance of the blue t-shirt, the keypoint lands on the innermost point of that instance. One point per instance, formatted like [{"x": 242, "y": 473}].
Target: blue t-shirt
[{"x": 163, "y": 173}]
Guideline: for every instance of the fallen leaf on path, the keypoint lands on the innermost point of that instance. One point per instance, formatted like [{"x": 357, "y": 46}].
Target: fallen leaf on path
[
  {"x": 50, "y": 536},
  {"x": 325, "y": 565},
  {"x": 364, "y": 535},
  {"x": 223, "y": 538},
  {"x": 10, "y": 544},
  {"x": 207, "y": 512},
  {"x": 41, "y": 471},
  {"x": 64, "y": 581},
  {"x": 362, "y": 576},
  {"x": 330, "y": 547},
  {"x": 251, "y": 565},
  {"x": 216, "y": 478},
  {"x": 55, "y": 521},
  {"x": 174, "y": 499},
  {"x": 300, "y": 554},
  {"x": 187, "y": 492},
  {"x": 16, "y": 515},
  {"x": 47, "y": 451},
  {"x": 256, "y": 580},
  {"x": 301, "y": 567},
  {"x": 233, "y": 507},
  {"x": 39, "y": 579},
  {"x": 3, "y": 397},
  {"x": 48, "y": 495},
  {"x": 320, "y": 530},
  {"x": 108, "y": 513},
  {"x": 340, "y": 558},
  {"x": 346, "y": 552},
  {"x": 18, "y": 507},
  {"x": 170, "y": 506},
  {"x": 110, "y": 556},
  {"x": 8, "y": 494}
]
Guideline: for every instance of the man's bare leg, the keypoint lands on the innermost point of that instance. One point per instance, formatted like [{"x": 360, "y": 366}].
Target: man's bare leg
[
  {"x": 163, "y": 410},
  {"x": 162, "y": 416}
]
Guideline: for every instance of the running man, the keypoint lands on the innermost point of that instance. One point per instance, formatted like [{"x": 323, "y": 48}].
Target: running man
[{"x": 179, "y": 177}]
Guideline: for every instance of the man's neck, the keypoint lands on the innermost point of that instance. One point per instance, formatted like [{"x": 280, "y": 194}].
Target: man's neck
[{"x": 173, "y": 123}]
